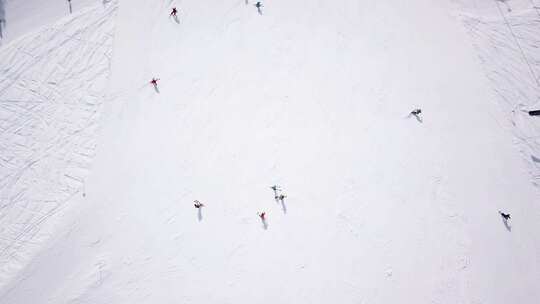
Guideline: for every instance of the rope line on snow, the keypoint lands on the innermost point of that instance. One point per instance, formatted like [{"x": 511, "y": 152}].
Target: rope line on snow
[{"x": 518, "y": 44}]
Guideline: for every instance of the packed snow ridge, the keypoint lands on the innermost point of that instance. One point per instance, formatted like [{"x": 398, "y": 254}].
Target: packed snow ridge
[{"x": 269, "y": 152}]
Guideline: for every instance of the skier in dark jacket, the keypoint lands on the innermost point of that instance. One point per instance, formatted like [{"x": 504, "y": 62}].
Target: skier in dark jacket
[
  {"x": 198, "y": 204},
  {"x": 505, "y": 216},
  {"x": 173, "y": 12},
  {"x": 276, "y": 190},
  {"x": 259, "y": 5},
  {"x": 416, "y": 113}
]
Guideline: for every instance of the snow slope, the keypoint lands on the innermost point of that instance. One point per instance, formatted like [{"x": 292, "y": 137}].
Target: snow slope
[
  {"x": 506, "y": 37},
  {"x": 23, "y": 16},
  {"x": 51, "y": 92},
  {"x": 380, "y": 207}
]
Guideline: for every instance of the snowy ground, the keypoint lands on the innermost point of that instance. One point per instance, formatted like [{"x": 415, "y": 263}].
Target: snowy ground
[
  {"x": 51, "y": 92},
  {"x": 380, "y": 207},
  {"x": 507, "y": 37},
  {"x": 23, "y": 16}
]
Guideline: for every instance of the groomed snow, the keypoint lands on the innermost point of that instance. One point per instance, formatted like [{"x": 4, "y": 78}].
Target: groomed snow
[{"x": 380, "y": 207}]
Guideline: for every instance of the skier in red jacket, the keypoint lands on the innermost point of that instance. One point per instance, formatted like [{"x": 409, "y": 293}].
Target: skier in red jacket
[{"x": 262, "y": 215}]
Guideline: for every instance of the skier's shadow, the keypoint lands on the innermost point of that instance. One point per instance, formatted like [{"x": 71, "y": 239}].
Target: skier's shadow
[
  {"x": 418, "y": 118},
  {"x": 264, "y": 224},
  {"x": 283, "y": 206},
  {"x": 156, "y": 89},
  {"x": 175, "y": 18},
  {"x": 199, "y": 214},
  {"x": 506, "y": 225}
]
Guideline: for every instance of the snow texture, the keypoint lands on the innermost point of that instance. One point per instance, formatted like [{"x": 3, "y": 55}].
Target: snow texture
[
  {"x": 25, "y": 16},
  {"x": 51, "y": 92},
  {"x": 100, "y": 171},
  {"x": 2, "y": 17},
  {"x": 506, "y": 36}
]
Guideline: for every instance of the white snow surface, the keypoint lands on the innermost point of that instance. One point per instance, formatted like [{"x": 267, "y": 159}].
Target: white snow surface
[
  {"x": 24, "y": 16},
  {"x": 99, "y": 171},
  {"x": 51, "y": 94}
]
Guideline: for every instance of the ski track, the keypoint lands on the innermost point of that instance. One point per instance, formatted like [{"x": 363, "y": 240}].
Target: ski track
[
  {"x": 51, "y": 97},
  {"x": 506, "y": 35}
]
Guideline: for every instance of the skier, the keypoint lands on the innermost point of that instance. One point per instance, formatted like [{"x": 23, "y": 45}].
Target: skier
[
  {"x": 262, "y": 215},
  {"x": 173, "y": 12},
  {"x": 198, "y": 204},
  {"x": 506, "y": 216},
  {"x": 416, "y": 113},
  {"x": 276, "y": 189},
  {"x": 258, "y": 5},
  {"x": 154, "y": 82}
]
